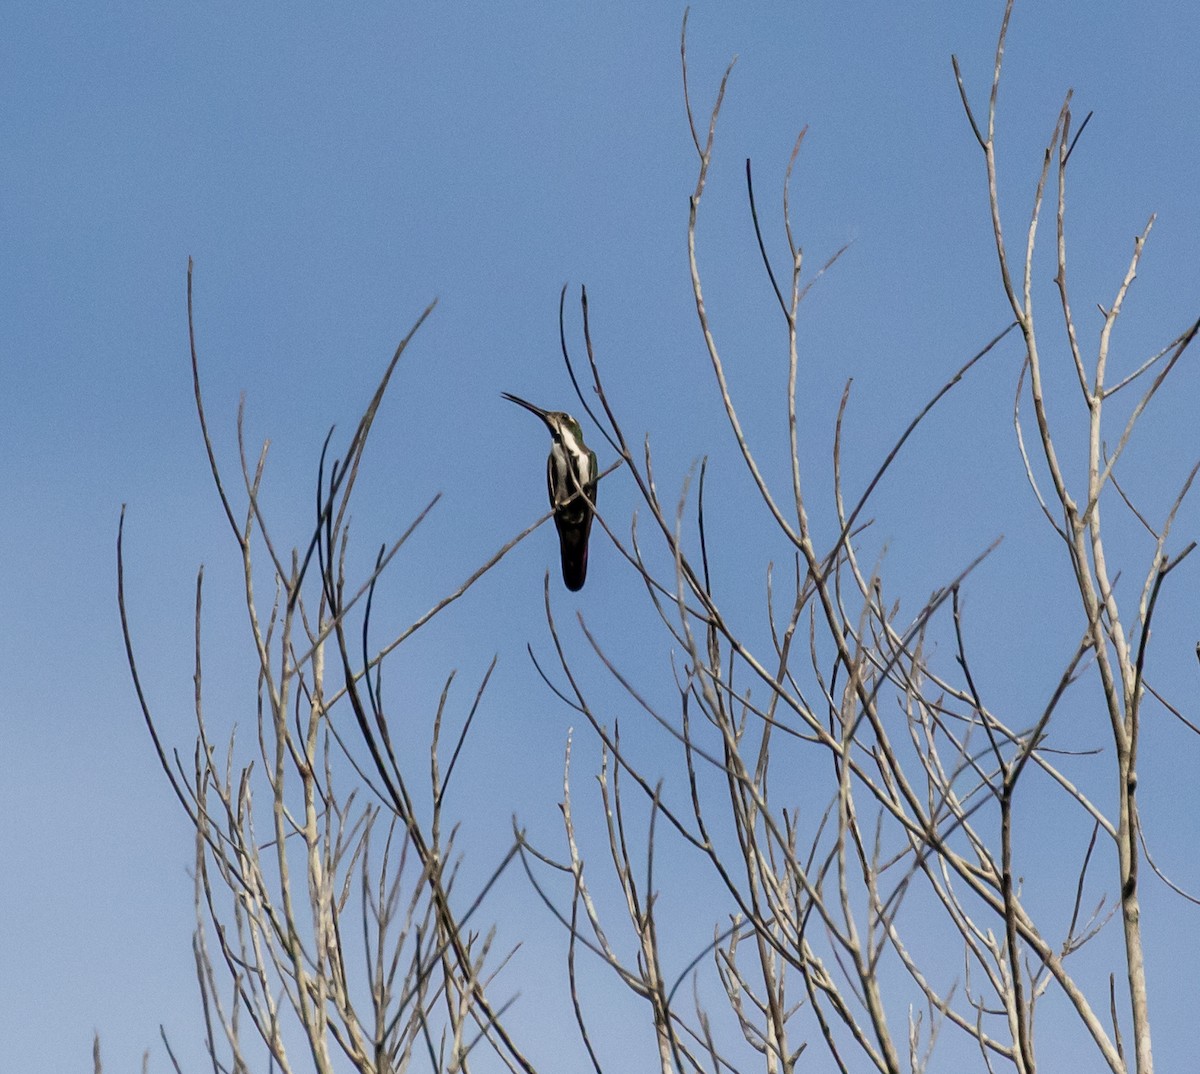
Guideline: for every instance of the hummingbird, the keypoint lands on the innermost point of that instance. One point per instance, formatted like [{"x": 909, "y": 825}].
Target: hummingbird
[{"x": 571, "y": 474}]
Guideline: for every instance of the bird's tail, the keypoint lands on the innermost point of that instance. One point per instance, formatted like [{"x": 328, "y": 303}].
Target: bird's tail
[{"x": 573, "y": 544}]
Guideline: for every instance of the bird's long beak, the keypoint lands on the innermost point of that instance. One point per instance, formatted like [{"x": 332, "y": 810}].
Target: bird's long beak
[{"x": 528, "y": 406}]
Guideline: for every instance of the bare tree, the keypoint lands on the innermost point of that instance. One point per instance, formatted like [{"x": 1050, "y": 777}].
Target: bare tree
[
  {"x": 293, "y": 891},
  {"x": 921, "y": 773},
  {"x": 852, "y": 795}
]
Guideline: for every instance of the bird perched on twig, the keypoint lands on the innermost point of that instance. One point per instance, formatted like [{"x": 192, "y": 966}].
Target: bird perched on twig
[{"x": 571, "y": 474}]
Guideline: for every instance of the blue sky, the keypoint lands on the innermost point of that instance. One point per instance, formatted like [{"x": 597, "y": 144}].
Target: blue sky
[{"x": 332, "y": 171}]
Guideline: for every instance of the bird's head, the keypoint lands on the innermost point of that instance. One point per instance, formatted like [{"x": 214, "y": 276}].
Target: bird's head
[{"x": 557, "y": 421}]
